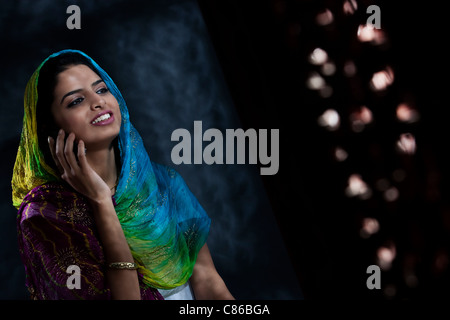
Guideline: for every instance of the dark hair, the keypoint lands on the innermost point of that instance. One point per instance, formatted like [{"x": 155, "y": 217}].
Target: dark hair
[{"x": 47, "y": 81}]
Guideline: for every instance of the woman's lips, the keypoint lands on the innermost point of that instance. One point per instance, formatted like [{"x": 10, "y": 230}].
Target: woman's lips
[{"x": 103, "y": 119}]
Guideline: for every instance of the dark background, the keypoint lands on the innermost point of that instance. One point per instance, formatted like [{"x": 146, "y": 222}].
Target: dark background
[
  {"x": 263, "y": 47},
  {"x": 244, "y": 63}
]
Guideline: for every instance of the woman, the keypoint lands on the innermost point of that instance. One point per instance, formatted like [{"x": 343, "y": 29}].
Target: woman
[{"x": 88, "y": 196}]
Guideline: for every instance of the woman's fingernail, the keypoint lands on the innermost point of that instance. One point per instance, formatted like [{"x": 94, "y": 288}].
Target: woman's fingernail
[
  {"x": 48, "y": 139},
  {"x": 61, "y": 131}
]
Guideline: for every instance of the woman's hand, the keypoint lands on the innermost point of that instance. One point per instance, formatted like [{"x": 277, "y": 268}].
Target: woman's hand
[{"x": 77, "y": 173}]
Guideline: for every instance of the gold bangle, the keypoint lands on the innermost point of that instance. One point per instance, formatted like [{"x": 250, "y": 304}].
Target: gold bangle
[{"x": 122, "y": 265}]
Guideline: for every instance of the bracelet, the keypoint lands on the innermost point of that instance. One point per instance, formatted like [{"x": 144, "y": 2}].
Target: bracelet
[{"x": 122, "y": 265}]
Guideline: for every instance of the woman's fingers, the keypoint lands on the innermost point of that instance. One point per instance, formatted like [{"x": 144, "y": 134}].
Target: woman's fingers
[
  {"x": 59, "y": 150},
  {"x": 69, "y": 153},
  {"x": 77, "y": 172},
  {"x": 51, "y": 143},
  {"x": 82, "y": 154}
]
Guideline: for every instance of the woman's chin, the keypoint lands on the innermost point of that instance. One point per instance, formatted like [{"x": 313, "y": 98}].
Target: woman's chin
[{"x": 100, "y": 143}]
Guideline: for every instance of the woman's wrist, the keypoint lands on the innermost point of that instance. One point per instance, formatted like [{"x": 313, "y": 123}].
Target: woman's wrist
[{"x": 100, "y": 201}]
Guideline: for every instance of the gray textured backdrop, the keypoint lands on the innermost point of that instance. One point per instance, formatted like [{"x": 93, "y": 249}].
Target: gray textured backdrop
[{"x": 160, "y": 56}]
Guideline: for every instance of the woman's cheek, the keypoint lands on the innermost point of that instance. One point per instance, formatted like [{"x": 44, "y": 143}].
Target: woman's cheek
[{"x": 73, "y": 124}]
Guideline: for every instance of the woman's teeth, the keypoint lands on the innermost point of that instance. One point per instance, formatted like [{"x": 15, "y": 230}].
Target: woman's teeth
[{"x": 101, "y": 118}]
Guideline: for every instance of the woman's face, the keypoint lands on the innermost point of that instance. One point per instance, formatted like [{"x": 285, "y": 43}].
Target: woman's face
[{"x": 84, "y": 105}]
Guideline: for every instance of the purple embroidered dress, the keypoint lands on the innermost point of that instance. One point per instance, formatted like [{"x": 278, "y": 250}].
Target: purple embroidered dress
[{"x": 56, "y": 229}]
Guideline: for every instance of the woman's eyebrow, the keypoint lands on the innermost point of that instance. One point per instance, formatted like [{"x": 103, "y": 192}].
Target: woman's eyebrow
[
  {"x": 78, "y": 90},
  {"x": 96, "y": 82}
]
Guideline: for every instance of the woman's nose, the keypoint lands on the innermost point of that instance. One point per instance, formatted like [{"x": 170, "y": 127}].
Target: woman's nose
[{"x": 98, "y": 104}]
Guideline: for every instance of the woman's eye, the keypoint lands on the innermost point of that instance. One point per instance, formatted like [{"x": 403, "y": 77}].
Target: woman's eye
[
  {"x": 102, "y": 90},
  {"x": 75, "y": 102}
]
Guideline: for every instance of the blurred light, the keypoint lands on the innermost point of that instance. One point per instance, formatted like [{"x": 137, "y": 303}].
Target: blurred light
[
  {"x": 360, "y": 118},
  {"x": 382, "y": 79},
  {"x": 315, "y": 81},
  {"x": 328, "y": 68},
  {"x": 385, "y": 256},
  {"x": 318, "y": 56},
  {"x": 441, "y": 262},
  {"x": 349, "y": 68},
  {"x": 357, "y": 126},
  {"x": 369, "y": 227},
  {"x": 279, "y": 7},
  {"x": 330, "y": 119},
  {"x": 324, "y": 18},
  {"x": 340, "y": 154},
  {"x": 391, "y": 194},
  {"x": 399, "y": 175},
  {"x": 382, "y": 184},
  {"x": 411, "y": 279},
  {"x": 405, "y": 113},
  {"x": 350, "y": 7},
  {"x": 326, "y": 91},
  {"x": 390, "y": 291},
  {"x": 368, "y": 33},
  {"x": 365, "y": 115},
  {"x": 357, "y": 187},
  {"x": 406, "y": 143}
]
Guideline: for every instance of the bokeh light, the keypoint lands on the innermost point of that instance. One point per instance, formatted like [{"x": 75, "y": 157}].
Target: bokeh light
[
  {"x": 368, "y": 33},
  {"x": 391, "y": 194},
  {"x": 349, "y": 68},
  {"x": 382, "y": 79},
  {"x": 340, "y": 154},
  {"x": 350, "y": 6},
  {"x": 330, "y": 119},
  {"x": 357, "y": 187},
  {"x": 315, "y": 81},
  {"x": 406, "y": 143},
  {"x": 360, "y": 118},
  {"x": 406, "y": 113},
  {"x": 385, "y": 256},
  {"x": 324, "y": 18},
  {"x": 369, "y": 227},
  {"x": 318, "y": 56}
]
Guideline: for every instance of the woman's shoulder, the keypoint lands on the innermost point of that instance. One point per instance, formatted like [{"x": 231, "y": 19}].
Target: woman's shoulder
[
  {"x": 49, "y": 192},
  {"x": 51, "y": 200}
]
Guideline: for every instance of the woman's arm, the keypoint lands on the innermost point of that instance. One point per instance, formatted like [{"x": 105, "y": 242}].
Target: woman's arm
[
  {"x": 79, "y": 174},
  {"x": 123, "y": 283},
  {"x": 206, "y": 281}
]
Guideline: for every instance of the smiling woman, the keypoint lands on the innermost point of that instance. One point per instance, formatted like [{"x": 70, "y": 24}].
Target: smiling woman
[{"x": 88, "y": 195}]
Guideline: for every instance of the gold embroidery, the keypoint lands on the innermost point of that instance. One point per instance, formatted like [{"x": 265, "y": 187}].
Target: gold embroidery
[{"x": 77, "y": 215}]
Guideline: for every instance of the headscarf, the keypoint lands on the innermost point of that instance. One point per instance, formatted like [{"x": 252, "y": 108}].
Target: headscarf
[{"x": 163, "y": 222}]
